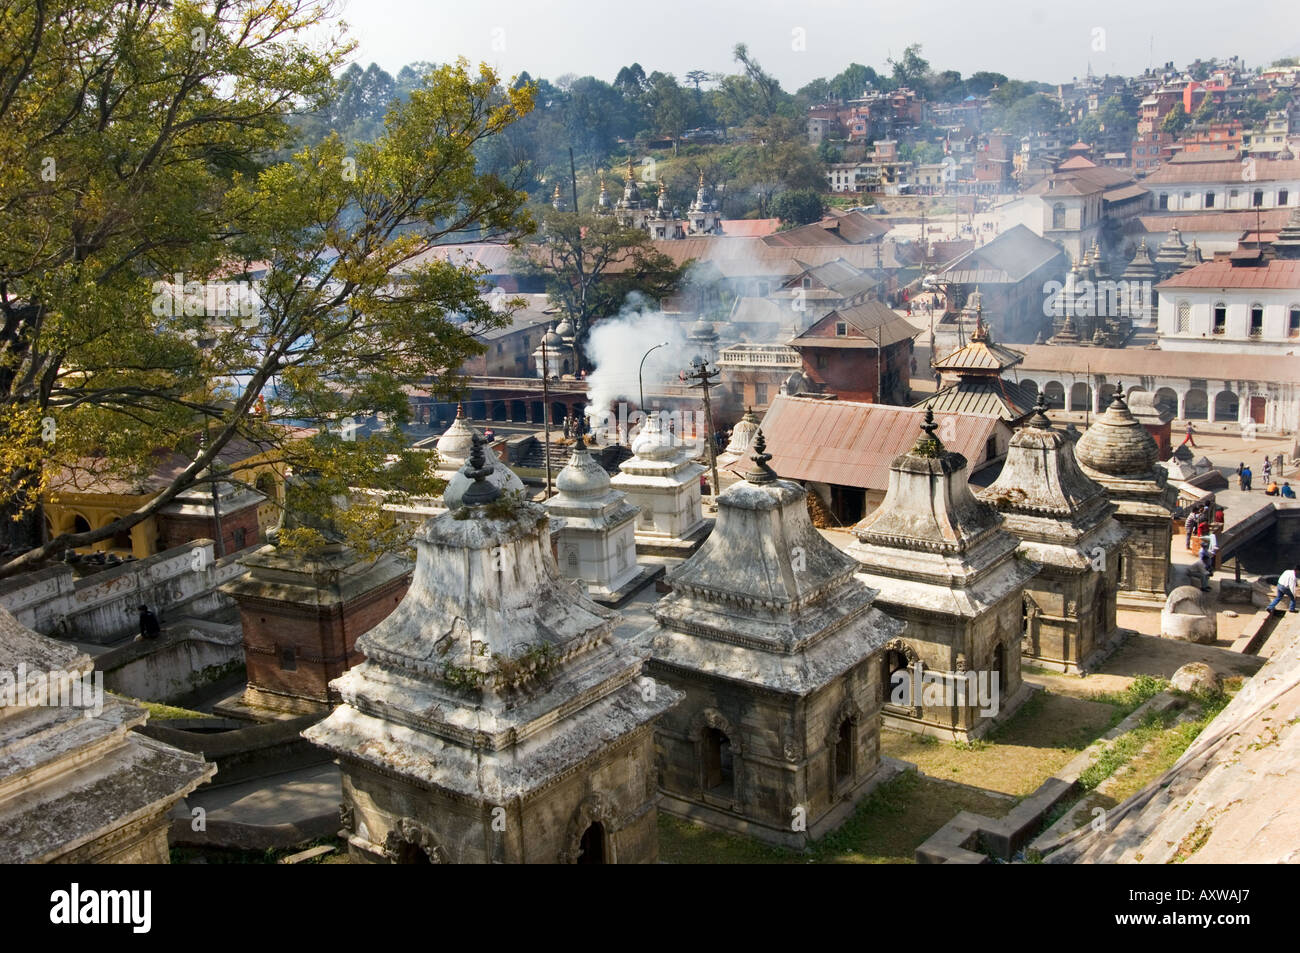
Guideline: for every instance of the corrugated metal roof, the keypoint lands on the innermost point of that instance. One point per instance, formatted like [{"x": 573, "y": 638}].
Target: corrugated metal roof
[
  {"x": 1189, "y": 170},
  {"x": 1275, "y": 275},
  {"x": 1133, "y": 363},
  {"x": 1001, "y": 398},
  {"x": 980, "y": 356},
  {"x": 1226, "y": 221},
  {"x": 853, "y": 444}
]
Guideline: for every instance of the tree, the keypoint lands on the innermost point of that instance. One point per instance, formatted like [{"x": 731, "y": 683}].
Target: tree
[
  {"x": 798, "y": 207},
  {"x": 669, "y": 105},
  {"x": 591, "y": 263},
  {"x": 983, "y": 82},
  {"x": 1205, "y": 111},
  {"x": 911, "y": 69},
  {"x": 166, "y": 141},
  {"x": 696, "y": 77},
  {"x": 1175, "y": 120},
  {"x": 763, "y": 89}
]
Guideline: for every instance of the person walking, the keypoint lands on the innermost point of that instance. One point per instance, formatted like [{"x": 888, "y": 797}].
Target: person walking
[
  {"x": 1246, "y": 476},
  {"x": 1286, "y": 585},
  {"x": 1188, "y": 439},
  {"x": 1189, "y": 524},
  {"x": 1268, "y": 470},
  {"x": 149, "y": 627}
]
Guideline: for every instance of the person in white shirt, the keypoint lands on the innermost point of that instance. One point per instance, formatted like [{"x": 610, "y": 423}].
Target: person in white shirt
[{"x": 1286, "y": 585}]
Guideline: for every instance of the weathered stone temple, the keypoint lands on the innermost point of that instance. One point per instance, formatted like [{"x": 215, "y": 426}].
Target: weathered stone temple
[
  {"x": 77, "y": 785},
  {"x": 943, "y": 562},
  {"x": 1064, "y": 522},
  {"x": 776, "y": 646},
  {"x": 496, "y": 719},
  {"x": 1119, "y": 453}
]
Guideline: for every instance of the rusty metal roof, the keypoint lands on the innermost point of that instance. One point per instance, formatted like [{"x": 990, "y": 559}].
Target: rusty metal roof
[{"x": 853, "y": 444}]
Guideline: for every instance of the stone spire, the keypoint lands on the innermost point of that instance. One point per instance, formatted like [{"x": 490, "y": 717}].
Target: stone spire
[
  {"x": 603, "y": 202},
  {"x": 1171, "y": 253},
  {"x": 557, "y": 200},
  {"x": 495, "y": 683},
  {"x": 742, "y": 435},
  {"x": 631, "y": 192},
  {"x": 760, "y": 472},
  {"x": 480, "y": 492}
]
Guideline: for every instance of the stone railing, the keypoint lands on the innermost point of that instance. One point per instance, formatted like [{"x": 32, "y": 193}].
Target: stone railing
[
  {"x": 753, "y": 354},
  {"x": 101, "y": 608}
]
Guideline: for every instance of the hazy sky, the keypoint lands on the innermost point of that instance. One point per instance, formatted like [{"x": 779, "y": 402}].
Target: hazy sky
[{"x": 800, "y": 41}]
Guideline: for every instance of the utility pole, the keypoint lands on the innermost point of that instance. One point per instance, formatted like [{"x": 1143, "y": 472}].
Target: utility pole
[
  {"x": 705, "y": 379},
  {"x": 546, "y": 418},
  {"x": 573, "y": 179},
  {"x": 219, "y": 549}
]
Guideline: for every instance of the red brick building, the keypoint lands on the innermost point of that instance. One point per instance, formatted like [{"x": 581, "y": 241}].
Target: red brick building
[{"x": 862, "y": 353}]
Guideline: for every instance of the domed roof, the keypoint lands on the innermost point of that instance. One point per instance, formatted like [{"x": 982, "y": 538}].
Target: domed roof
[
  {"x": 564, "y": 329},
  {"x": 455, "y": 444},
  {"x": 582, "y": 476},
  {"x": 652, "y": 441},
  {"x": 742, "y": 435},
  {"x": 1117, "y": 444},
  {"x": 553, "y": 339}
]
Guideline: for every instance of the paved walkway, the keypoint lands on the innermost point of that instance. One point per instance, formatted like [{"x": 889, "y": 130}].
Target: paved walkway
[{"x": 293, "y": 798}]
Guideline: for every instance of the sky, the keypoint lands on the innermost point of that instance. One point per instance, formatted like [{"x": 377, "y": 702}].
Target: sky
[{"x": 800, "y": 41}]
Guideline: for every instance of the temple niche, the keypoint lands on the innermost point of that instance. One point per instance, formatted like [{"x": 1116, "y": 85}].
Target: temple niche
[
  {"x": 943, "y": 563},
  {"x": 776, "y": 646},
  {"x": 77, "y": 784},
  {"x": 1066, "y": 524},
  {"x": 1119, "y": 453},
  {"x": 496, "y": 719},
  {"x": 663, "y": 480},
  {"x": 596, "y": 533}
]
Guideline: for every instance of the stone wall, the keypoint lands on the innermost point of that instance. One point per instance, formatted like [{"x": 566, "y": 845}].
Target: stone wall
[
  {"x": 191, "y": 655},
  {"x": 389, "y": 821},
  {"x": 101, "y": 608}
]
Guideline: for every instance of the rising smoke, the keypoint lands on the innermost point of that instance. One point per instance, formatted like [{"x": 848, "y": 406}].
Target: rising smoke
[{"x": 616, "y": 346}]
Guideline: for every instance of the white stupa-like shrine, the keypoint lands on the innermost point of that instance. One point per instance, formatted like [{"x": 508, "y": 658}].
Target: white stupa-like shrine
[
  {"x": 663, "y": 480},
  {"x": 594, "y": 527}
]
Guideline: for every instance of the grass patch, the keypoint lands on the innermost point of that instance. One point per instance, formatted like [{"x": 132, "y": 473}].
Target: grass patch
[
  {"x": 1141, "y": 689},
  {"x": 887, "y": 828},
  {"x": 160, "y": 712},
  {"x": 1018, "y": 755}
]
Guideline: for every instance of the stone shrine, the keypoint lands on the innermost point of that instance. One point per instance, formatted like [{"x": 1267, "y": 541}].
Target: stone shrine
[
  {"x": 496, "y": 719},
  {"x": 596, "y": 538},
  {"x": 1065, "y": 523},
  {"x": 777, "y": 647},
  {"x": 77, "y": 785},
  {"x": 1119, "y": 453},
  {"x": 943, "y": 563},
  {"x": 663, "y": 479}
]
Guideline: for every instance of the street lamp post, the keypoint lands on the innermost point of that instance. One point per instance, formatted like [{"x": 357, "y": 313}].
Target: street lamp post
[{"x": 640, "y": 383}]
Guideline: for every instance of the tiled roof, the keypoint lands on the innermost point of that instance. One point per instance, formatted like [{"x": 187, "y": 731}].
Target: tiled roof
[
  {"x": 1274, "y": 275},
  {"x": 867, "y": 318},
  {"x": 982, "y": 355},
  {"x": 1011, "y": 256},
  {"x": 1236, "y": 220},
  {"x": 853, "y": 444},
  {"x": 1230, "y": 170},
  {"x": 1125, "y": 363},
  {"x": 996, "y": 396},
  {"x": 749, "y": 227}
]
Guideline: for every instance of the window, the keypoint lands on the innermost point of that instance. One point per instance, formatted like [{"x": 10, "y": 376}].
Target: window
[
  {"x": 1293, "y": 321},
  {"x": 1184, "y": 317},
  {"x": 1256, "y": 320},
  {"x": 241, "y": 538},
  {"x": 807, "y": 282},
  {"x": 1234, "y": 193},
  {"x": 896, "y": 682},
  {"x": 1164, "y": 200},
  {"x": 841, "y": 329},
  {"x": 821, "y": 362},
  {"x": 1058, "y": 215},
  {"x": 1258, "y": 198},
  {"x": 719, "y": 777},
  {"x": 1282, "y": 196},
  {"x": 844, "y": 753},
  {"x": 1209, "y": 200},
  {"x": 1220, "y": 318},
  {"x": 288, "y": 659}
]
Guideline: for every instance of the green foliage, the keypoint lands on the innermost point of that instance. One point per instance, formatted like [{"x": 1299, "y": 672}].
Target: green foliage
[
  {"x": 167, "y": 177},
  {"x": 1175, "y": 120},
  {"x": 798, "y": 207}
]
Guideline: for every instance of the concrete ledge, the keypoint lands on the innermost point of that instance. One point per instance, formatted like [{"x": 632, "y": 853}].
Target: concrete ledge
[
  {"x": 619, "y": 597},
  {"x": 234, "y": 835},
  {"x": 669, "y": 546},
  {"x": 246, "y": 753},
  {"x": 1253, "y": 635}
]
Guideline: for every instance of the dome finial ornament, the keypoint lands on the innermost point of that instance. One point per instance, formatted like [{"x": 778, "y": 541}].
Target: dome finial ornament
[
  {"x": 760, "y": 472},
  {"x": 481, "y": 491},
  {"x": 1040, "y": 418}
]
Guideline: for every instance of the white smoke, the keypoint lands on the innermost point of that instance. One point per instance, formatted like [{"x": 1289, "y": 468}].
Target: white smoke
[{"x": 616, "y": 345}]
